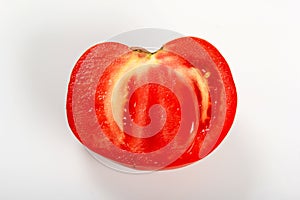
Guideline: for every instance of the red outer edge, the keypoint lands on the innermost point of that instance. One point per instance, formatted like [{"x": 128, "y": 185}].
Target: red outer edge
[
  {"x": 69, "y": 109},
  {"x": 230, "y": 89},
  {"x": 78, "y": 65}
]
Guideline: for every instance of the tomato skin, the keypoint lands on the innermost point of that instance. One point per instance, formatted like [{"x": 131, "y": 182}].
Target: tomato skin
[
  {"x": 197, "y": 53},
  {"x": 231, "y": 94}
]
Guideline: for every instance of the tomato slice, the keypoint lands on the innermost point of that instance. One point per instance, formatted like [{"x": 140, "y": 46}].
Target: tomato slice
[{"x": 152, "y": 111}]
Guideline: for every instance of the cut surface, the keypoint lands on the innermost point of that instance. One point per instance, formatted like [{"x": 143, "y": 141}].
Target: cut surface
[
  {"x": 135, "y": 83},
  {"x": 152, "y": 111}
]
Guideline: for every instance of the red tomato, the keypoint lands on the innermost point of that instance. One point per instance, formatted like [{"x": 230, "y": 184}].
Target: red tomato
[{"x": 152, "y": 111}]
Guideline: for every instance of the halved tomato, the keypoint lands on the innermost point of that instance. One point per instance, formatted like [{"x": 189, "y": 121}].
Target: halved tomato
[{"x": 152, "y": 111}]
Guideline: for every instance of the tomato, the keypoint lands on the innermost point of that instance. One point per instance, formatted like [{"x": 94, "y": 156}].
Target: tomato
[{"x": 152, "y": 111}]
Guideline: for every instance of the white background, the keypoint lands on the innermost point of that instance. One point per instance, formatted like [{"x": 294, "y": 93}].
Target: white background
[{"x": 40, "y": 41}]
